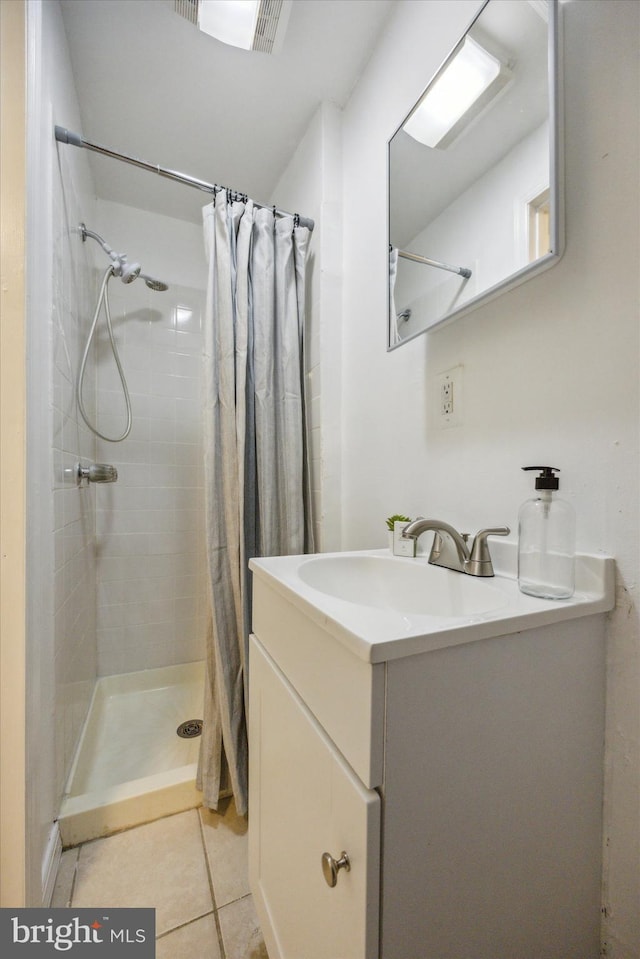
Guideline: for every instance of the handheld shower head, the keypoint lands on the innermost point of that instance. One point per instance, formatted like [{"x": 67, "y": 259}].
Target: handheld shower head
[
  {"x": 127, "y": 272},
  {"x": 158, "y": 285}
]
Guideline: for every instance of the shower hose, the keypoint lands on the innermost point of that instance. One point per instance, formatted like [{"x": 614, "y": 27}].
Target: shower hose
[{"x": 103, "y": 298}]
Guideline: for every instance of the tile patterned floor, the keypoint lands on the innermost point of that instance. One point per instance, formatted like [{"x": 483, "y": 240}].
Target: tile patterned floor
[{"x": 191, "y": 867}]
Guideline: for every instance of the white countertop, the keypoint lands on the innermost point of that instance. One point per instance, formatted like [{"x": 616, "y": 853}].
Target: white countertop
[{"x": 377, "y": 634}]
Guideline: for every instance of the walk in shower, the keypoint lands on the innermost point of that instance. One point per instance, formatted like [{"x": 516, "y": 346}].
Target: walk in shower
[
  {"x": 146, "y": 426},
  {"x": 129, "y": 555}
]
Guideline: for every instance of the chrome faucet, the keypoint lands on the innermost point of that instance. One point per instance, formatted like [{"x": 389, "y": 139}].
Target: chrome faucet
[{"x": 450, "y": 547}]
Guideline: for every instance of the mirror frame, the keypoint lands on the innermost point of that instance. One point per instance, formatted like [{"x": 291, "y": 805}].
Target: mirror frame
[{"x": 556, "y": 182}]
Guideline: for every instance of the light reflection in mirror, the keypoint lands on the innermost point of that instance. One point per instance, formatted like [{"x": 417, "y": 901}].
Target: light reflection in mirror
[{"x": 480, "y": 212}]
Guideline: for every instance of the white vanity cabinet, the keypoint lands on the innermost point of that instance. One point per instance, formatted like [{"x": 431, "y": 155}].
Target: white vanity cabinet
[
  {"x": 306, "y": 800},
  {"x": 463, "y": 781}
]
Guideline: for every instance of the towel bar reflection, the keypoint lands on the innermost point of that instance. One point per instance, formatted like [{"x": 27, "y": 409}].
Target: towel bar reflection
[{"x": 460, "y": 270}]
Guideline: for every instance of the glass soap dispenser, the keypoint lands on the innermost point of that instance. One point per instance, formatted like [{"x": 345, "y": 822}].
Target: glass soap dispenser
[{"x": 546, "y": 540}]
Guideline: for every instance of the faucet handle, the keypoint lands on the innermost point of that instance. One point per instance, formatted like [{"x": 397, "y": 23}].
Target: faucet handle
[{"x": 479, "y": 563}]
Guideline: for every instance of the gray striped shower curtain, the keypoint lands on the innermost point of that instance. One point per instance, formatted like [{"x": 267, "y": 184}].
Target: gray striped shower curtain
[{"x": 256, "y": 476}]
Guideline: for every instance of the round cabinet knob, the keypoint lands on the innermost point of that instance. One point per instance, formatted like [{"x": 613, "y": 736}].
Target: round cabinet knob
[{"x": 331, "y": 867}]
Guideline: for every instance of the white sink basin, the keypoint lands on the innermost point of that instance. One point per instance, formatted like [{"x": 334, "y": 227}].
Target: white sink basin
[
  {"x": 391, "y": 583},
  {"x": 383, "y": 607}
]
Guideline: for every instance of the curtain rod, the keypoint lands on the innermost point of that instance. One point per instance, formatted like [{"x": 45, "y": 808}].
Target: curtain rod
[
  {"x": 66, "y": 136},
  {"x": 460, "y": 270}
]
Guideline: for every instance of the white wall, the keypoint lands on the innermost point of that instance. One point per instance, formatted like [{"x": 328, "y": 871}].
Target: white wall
[
  {"x": 550, "y": 369},
  {"x": 61, "y": 605},
  {"x": 74, "y": 508},
  {"x": 311, "y": 186}
]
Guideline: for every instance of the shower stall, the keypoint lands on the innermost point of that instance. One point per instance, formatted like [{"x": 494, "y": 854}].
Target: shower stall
[
  {"x": 130, "y": 568},
  {"x": 119, "y": 584}
]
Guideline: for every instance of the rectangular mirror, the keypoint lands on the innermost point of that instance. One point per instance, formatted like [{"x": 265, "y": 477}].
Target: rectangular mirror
[{"x": 474, "y": 171}]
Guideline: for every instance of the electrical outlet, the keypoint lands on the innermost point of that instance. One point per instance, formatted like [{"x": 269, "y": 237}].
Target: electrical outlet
[
  {"x": 446, "y": 397},
  {"x": 449, "y": 398}
]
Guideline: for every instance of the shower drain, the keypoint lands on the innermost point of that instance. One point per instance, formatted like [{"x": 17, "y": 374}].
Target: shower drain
[{"x": 190, "y": 729}]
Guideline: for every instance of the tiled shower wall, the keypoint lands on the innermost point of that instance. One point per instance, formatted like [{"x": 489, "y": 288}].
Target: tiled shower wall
[
  {"x": 73, "y": 295},
  {"x": 151, "y": 587},
  {"x": 150, "y": 524}
]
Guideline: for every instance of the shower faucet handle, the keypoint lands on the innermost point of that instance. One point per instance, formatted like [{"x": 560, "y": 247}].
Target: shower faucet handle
[{"x": 96, "y": 473}]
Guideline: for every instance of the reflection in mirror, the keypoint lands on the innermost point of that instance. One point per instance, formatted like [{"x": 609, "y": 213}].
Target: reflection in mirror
[{"x": 473, "y": 171}]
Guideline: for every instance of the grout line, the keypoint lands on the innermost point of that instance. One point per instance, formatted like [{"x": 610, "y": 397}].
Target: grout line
[
  {"x": 73, "y": 879},
  {"x": 245, "y": 895},
  {"x": 214, "y": 911},
  {"x": 223, "y": 952},
  {"x": 183, "y": 925}
]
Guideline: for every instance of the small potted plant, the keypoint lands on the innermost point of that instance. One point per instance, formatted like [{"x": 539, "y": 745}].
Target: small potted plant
[{"x": 396, "y": 518}]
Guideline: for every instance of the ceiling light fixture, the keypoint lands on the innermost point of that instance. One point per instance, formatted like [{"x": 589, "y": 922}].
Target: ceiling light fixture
[
  {"x": 249, "y": 24},
  {"x": 470, "y": 79}
]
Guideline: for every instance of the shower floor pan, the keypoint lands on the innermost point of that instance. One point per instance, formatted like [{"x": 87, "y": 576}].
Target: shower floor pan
[{"x": 131, "y": 766}]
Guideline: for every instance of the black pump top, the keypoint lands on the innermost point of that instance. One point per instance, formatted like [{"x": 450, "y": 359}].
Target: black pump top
[{"x": 546, "y": 480}]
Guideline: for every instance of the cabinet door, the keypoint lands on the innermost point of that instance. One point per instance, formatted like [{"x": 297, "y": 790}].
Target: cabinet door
[{"x": 305, "y": 800}]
